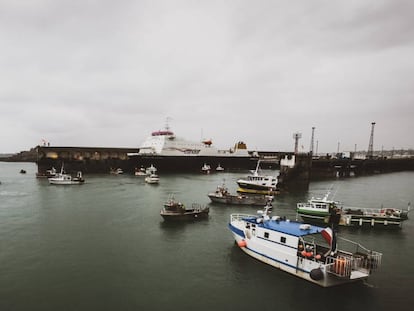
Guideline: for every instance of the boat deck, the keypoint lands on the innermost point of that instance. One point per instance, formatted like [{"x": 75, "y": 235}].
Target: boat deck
[{"x": 285, "y": 226}]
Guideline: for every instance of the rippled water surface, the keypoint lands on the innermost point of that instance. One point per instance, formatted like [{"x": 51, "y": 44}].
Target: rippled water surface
[{"x": 104, "y": 246}]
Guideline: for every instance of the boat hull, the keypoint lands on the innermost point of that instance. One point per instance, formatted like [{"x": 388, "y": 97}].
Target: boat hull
[
  {"x": 65, "y": 182},
  {"x": 355, "y": 221},
  {"x": 171, "y": 216},
  {"x": 239, "y": 200},
  {"x": 257, "y": 191}
]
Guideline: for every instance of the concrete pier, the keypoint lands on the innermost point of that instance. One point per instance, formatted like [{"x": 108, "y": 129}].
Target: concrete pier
[
  {"x": 329, "y": 168},
  {"x": 85, "y": 159}
]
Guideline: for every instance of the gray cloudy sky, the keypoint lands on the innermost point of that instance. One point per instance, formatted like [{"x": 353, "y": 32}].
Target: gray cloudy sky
[{"x": 107, "y": 73}]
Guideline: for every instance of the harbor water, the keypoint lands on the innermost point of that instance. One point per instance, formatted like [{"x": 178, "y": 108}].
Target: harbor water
[{"x": 104, "y": 246}]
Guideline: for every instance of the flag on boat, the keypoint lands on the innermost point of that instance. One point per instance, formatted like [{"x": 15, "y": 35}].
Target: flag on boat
[
  {"x": 330, "y": 237},
  {"x": 327, "y": 235}
]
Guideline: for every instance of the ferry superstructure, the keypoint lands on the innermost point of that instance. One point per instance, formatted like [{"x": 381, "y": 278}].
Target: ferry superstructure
[{"x": 171, "y": 153}]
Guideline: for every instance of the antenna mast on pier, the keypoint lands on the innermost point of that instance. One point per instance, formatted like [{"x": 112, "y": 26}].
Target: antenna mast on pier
[
  {"x": 370, "y": 152},
  {"x": 311, "y": 146},
  {"x": 296, "y": 137}
]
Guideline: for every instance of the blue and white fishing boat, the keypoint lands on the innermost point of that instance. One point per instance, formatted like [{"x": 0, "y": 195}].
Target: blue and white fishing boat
[{"x": 307, "y": 251}]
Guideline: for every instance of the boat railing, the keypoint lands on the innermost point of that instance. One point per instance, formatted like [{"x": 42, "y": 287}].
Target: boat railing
[
  {"x": 239, "y": 217},
  {"x": 340, "y": 265},
  {"x": 197, "y": 207},
  {"x": 359, "y": 259}
]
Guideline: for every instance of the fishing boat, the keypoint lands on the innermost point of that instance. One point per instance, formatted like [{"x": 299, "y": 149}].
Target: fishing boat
[
  {"x": 117, "y": 171},
  {"x": 151, "y": 170},
  {"x": 206, "y": 169},
  {"x": 169, "y": 152},
  {"x": 304, "y": 250},
  {"x": 152, "y": 179},
  {"x": 223, "y": 196},
  {"x": 257, "y": 183},
  {"x": 175, "y": 210},
  {"x": 140, "y": 172},
  {"x": 66, "y": 179},
  {"x": 219, "y": 168},
  {"x": 327, "y": 211},
  {"x": 47, "y": 174}
]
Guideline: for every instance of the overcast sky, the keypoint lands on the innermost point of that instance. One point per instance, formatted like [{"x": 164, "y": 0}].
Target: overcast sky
[{"x": 108, "y": 73}]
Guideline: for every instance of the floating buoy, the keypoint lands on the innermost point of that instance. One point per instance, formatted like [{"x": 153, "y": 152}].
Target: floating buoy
[{"x": 242, "y": 243}]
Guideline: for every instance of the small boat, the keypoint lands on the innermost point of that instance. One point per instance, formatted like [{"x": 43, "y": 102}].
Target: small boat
[
  {"x": 48, "y": 174},
  {"x": 206, "y": 169},
  {"x": 140, "y": 172},
  {"x": 222, "y": 195},
  {"x": 326, "y": 211},
  {"x": 219, "y": 168},
  {"x": 306, "y": 251},
  {"x": 152, "y": 179},
  {"x": 67, "y": 179},
  {"x": 117, "y": 171},
  {"x": 174, "y": 210},
  {"x": 257, "y": 183},
  {"x": 151, "y": 170}
]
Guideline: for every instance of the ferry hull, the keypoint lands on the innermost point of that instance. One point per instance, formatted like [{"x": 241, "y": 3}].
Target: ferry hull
[{"x": 191, "y": 163}]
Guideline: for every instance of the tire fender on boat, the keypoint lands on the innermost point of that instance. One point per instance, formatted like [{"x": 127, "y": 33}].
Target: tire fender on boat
[{"x": 316, "y": 274}]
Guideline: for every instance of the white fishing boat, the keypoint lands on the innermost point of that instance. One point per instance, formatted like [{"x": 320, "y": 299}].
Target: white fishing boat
[
  {"x": 257, "y": 183},
  {"x": 206, "y": 169},
  {"x": 66, "y": 179},
  {"x": 140, "y": 172},
  {"x": 306, "y": 251},
  {"x": 219, "y": 168},
  {"x": 327, "y": 211},
  {"x": 151, "y": 170},
  {"x": 117, "y": 171},
  {"x": 152, "y": 179},
  {"x": 47, "y": 174}
]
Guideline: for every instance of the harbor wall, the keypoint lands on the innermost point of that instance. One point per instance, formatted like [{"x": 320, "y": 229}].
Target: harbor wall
[
  {"x": 294, "y": 172},
  {"x": 85, "y": 159},
  {"x": 329, "y": 168},
  {"x": 103, "y": 159}
]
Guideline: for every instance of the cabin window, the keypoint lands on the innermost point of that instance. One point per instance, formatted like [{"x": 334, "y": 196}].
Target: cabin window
[
  {"x": 266, "y": 235},
  {"x": 282, "y": 239}
]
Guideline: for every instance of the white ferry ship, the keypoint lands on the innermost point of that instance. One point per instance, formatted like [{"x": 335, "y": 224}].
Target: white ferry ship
[{"x": 171, "y": 153}]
